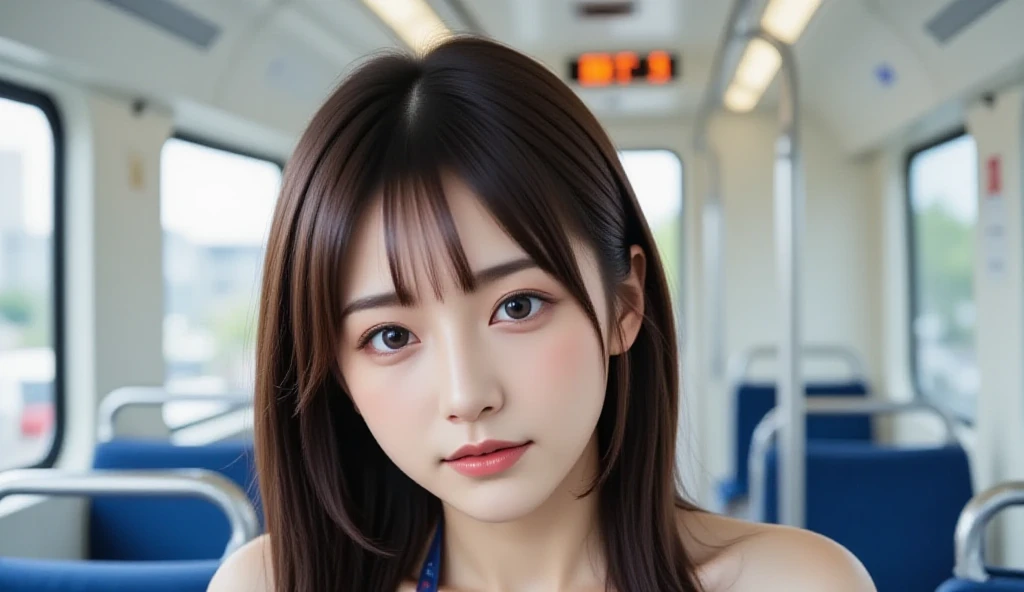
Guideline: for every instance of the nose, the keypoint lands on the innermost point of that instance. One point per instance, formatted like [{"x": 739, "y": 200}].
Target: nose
[{"x": 469, "y": 387}]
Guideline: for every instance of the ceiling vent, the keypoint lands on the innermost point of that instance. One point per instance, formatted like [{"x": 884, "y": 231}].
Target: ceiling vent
[
  {"x": 608, "y": 9},
  {"x": 957, "y": 16},
  {"x": 164, "y": 14}
]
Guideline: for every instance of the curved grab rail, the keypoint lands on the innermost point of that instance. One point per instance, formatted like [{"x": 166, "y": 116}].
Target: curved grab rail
[
  {"x": 970, "y": 528},
  {"x": 196, "y": 483},
  {"x": 741, "y": 16},
  {"x": 742, "y": 363},
  {"x": 764, "y": 433},
  {"x": 123, "y": 397}
]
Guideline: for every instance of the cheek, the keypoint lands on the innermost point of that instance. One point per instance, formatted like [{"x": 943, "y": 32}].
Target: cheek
[
  {"x": 564, "y": 377},
  {"x": 392, "y": 406}
]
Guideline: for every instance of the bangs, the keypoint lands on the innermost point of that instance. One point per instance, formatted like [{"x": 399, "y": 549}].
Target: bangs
[
  {"x": 520, "y": 194},
  {"x": 420, "y": 233}
]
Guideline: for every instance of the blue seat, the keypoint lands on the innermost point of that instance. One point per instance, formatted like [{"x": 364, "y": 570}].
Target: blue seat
[
  {"x": 35, "y": 575},
  {"x": 1001, "y": 581},
  {"x": 895, "y": 509},
  {"x": 158, "y": 528},
  {"x": 753, "y": 401}
]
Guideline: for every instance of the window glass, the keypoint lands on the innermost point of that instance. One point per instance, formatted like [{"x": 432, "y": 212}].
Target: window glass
[
  {"x": 943, "y": 194},
  {"x": 216, "y": 208},
  {"x": 28, "y": 311},
  {"x": 657, "y": 180}
]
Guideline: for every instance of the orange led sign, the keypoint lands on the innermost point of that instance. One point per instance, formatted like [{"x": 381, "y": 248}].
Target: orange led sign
[{"x": 623, "y": 68}]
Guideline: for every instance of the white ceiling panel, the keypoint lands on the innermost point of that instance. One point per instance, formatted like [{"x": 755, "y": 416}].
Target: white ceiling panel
[
  {"x": 350, "y": 21},
  {"x": 871, "y": 69},
  {"x": 556, "y": 25},
  {"x": 868, "y": 68}
]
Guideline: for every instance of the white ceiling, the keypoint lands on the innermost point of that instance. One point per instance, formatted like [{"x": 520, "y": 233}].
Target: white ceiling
[
  {"x": 274, "y": 60},
  {"x": 850, "y": 39},
  {"x": 555, "y": 25}
]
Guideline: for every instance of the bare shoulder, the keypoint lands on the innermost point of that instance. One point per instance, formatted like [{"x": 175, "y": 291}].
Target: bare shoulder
[
  {"x": 249, "y": 569},
  {"x": 738, "y": 556}
]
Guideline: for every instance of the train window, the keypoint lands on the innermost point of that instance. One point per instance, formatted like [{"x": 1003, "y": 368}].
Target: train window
[
  {"x": 216, "y": 208},
  {"x": 657, "y": 180},
  {"x": 942, "y": 193},
  {"x": 31, "y": 317}
]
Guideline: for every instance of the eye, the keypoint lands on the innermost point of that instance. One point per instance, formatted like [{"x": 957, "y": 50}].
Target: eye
[
  {"x": 519, "y": 308},
  {"x": 389, "y": 339}
]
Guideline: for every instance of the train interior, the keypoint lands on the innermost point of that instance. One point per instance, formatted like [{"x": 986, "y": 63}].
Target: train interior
[{"x": 835, "y": 188}]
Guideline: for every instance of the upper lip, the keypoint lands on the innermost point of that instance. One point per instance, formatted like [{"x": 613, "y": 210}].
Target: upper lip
[{"x": 485, "y": 447}]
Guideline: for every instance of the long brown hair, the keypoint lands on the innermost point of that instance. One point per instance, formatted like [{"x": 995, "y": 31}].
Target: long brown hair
[{"x": 342, "y": 516}]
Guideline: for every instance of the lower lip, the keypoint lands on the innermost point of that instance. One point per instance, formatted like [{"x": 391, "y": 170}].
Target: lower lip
[{"x": 488, "y": 464}]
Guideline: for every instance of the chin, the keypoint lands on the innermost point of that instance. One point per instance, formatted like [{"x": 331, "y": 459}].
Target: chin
[{"x": 502, "y": 499}]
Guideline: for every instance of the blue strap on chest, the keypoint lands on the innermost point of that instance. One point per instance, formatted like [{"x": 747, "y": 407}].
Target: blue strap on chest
[{"x": 432, "y": 567}]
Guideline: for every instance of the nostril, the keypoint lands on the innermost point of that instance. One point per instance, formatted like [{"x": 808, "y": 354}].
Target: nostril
[{"x": 456, "y": 417}]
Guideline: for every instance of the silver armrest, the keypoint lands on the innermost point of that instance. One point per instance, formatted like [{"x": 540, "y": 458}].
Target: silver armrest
[
  {"x": 765, "y": 431},
  {"x": 195, "y": 483},
  {"x": 120, "y": 398},
  {"x": 970, "y": 528},
  {"x": 742, "y": 363}
]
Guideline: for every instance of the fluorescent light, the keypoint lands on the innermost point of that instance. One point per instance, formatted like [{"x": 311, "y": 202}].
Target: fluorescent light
[
  {"x": 412, "y": 20},
  {"x": 758, "y": 65},
  {"x": 757, "y": 68},
  {"x": 740, "y": 99},
  {"x": 786, "y": 19}
]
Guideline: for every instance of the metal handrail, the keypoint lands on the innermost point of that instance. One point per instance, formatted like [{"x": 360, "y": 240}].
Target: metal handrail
[
  {"x": 123, "y": 397},
  {"x": 764, "y": 433},
  {"x": 970, "y": 528},
  {"x": 789, "y": 224},
  {"x": 713, "y": 235},
  {"x": 713, "y": 238},
  {"x": 739, "y": 18},
  {"x": 741, "y": 363},
  {"x": 195, "y": 483}
]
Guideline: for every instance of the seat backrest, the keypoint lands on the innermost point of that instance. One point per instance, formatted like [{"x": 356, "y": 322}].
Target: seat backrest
[
  {"x": 755, "y": 400},
  {"x": 895, "y": 509},
  {"x": 166, "y": 528},
  {"x": 36, "y": 575}
]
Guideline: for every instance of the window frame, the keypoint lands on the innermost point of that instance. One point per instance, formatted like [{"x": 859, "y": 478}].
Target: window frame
[
  {"x": 44, "y": 102},
  {"x": 912, "y": 264},
  {"x": 208, "y": 142}
]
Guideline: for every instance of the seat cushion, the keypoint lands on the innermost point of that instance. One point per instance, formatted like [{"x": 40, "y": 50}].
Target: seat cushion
[
  {"x": 33, "y": 575},
  {"x": 999, "y": 583}
]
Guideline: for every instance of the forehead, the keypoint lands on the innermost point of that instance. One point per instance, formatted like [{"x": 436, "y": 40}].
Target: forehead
[{"x": 482, "y": 239}]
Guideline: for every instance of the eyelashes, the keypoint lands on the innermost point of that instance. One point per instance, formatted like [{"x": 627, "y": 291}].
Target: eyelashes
[
  {"x": 516, "y": 308},
  {"x": 513, "y": 305}
]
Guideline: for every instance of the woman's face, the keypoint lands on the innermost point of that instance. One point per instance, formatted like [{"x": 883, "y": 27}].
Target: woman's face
[{"x": 515, "y": 364}]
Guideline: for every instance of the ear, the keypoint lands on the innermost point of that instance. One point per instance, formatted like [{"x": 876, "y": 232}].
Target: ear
[{"x": 629, "y": 303}]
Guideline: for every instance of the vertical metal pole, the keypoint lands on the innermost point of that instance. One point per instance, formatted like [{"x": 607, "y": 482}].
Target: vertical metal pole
[
  {"x": 713, "y": 233},
  {"x": 789, "y": 230}
]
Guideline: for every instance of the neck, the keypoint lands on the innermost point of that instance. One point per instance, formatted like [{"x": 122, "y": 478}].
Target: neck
[{"x": 556, "y": 547}]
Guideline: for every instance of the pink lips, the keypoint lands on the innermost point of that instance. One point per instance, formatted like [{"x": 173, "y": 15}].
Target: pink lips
[{"x": 486, "y": 458}]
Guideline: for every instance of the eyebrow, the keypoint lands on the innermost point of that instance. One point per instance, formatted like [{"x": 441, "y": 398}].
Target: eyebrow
[{"x": 480, "y": 278}]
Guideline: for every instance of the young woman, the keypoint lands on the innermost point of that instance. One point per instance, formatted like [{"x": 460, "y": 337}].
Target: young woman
[{"x": 467, "y": 365}]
